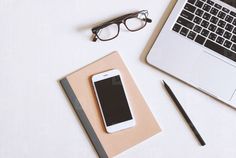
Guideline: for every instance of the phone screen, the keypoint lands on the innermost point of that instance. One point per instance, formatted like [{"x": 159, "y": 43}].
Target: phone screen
[{"x": 113, "y": 101}]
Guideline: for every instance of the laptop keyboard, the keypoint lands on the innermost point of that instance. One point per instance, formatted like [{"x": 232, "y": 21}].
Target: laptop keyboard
[{"x": 209, "y": 24}]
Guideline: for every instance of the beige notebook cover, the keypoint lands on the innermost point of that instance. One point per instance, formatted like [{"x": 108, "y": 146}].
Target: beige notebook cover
[{"x": 79, "y": 90}]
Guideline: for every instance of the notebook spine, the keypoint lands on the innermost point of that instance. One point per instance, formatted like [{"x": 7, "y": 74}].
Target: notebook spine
[{"x": 83, "y": 118}]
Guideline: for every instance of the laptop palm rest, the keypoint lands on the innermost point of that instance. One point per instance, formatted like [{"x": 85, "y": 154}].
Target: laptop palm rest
[{"x": 215, "y": 76}]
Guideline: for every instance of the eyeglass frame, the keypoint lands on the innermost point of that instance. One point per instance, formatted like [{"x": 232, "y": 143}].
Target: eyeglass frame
[{"x": 119, "y": 20}]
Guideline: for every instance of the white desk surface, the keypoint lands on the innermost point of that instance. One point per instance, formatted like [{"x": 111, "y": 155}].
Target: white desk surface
[{"x": 42, "y": 41}]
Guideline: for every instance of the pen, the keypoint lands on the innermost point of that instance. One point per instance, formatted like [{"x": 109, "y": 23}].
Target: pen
[{"x": 198, "y": 136}]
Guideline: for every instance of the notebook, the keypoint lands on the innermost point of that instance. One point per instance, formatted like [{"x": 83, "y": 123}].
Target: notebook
[{"x": 79, "y": 90}]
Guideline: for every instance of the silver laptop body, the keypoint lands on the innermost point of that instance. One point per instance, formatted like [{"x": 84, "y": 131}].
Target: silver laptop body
[{"x": 198, "y": 46}]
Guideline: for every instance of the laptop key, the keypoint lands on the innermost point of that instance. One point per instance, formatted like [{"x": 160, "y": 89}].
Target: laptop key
[
  {"x": 227, "y": 44},
  {"x": 200, "y": 39},
  {"x": 229, "y": 27},
  {"x": 191, "y": 35},
  {"x": 199, "y": 4},
  {"x": 206, "y": 8},
  {"x": 234, "y": 22},
  {"x": 176, "y": 28},
  {"x": 197, "y": 20},
  {"x": 226, "y": 10},
  {"x": 233, "y": 13},
  {"x": 212, "y": 36},
  {"x": 205, "y": 32},
  {"x": 233, "y": 39},
  {"x": 205, "y": 23},
  {"x": 214, "y": 11},
  {"x": 221, "y": 15},
  {"x": 192, "y": 1},
  {"x": 187, "y": 15},
  {"x": 185, "y": 23},
  {"x": 218, "y": 6},
  {"x": 234, "y": 31},
  {"x": 219, "y": 49},
  {"x": 184, "y": 31},
  {"x": 210, "y": 2},
  {"x": 220, "y": 31},
  {"x": 221, "y": 23},
  {"x": 190, "y": 8},
  {"x": 229, "y": 18},
  {"x": 233, "y": 47},
  {"x": 220, "y": 40},
  {"x": 214, "y": 19},
  {"x": 206, "y": 16},
  {"x": 227, "y": 35},
  {"x": 197, "y": 28},
  {"x": 212, "y": 27},
  {"x": 199, "y": 12}
]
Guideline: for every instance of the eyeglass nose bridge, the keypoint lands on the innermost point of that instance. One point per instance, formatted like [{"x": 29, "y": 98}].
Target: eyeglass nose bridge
[{"x": 119, "y": 20}]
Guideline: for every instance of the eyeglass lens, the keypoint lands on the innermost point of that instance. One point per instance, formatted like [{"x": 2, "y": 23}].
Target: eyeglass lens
[
  {"x": 136, "y": 23},
  {"x": 109, "y": 32}
]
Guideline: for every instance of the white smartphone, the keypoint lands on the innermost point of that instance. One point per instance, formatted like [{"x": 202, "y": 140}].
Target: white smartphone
[{"x": 113, "y": 102}]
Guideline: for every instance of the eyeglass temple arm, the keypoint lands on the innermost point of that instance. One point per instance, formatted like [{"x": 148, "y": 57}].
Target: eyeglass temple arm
[
  {"x": 148, "y": 20},
  {"x": 94, "y": 37}
]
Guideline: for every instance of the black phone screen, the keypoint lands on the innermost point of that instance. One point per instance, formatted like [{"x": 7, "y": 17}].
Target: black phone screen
[{"x": 113, "y": 101}]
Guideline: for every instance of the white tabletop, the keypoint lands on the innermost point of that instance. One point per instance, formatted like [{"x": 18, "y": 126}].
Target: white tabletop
[{"x": 41, "y": 41}]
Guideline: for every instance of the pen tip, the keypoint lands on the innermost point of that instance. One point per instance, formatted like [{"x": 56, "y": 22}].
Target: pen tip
[{"x": 163, "y": 82}]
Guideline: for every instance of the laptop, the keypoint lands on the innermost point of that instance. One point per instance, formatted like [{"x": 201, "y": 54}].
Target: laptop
[{"x": 197, "y": 45}]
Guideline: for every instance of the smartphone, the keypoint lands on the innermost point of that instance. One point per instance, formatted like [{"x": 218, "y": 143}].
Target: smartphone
[{"x": 113, "y": 101}]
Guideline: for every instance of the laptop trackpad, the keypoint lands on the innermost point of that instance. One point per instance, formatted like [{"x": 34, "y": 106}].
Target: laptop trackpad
[{"x": 215, "y": 76}]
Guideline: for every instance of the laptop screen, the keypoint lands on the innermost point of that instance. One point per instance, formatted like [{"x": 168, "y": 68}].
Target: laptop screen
[{"x": 230, "y": 2}]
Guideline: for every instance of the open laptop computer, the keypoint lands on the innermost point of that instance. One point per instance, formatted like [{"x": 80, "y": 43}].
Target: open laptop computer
[{"x": 198, "y": 46}]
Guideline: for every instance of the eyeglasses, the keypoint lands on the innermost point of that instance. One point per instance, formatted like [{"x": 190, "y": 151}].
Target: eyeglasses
[{"x": 110, "y": 29}]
